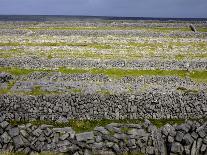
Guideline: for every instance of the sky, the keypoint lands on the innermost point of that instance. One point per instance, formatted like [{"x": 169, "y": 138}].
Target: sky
[{"x": 124, "y": 8}]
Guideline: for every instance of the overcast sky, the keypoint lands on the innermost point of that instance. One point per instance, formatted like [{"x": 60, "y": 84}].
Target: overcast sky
[{"x": 130, "y": 8}]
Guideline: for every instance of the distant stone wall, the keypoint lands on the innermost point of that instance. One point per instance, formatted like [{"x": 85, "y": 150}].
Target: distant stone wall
[
  {"x": 188, "y": 138},
  {"x": 156, "y": 105},
  {"x": 84, "y": 63}
]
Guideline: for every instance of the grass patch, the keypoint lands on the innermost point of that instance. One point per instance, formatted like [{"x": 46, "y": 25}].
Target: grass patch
[
  {"x": 71, "y": 70},
  {"x": 104, "y": 92},
  {"x": 75, "y": 90},
  {"x": 9, "y": 86},
  {"x": 161, "y": 122},
  {"x": 20, "y": 71},
  {"x": 115, "y": 72},
  {"x": 202, "y": 29},
  {"x": 89, "y": 125},
  {"x": 90, "y": 45}
]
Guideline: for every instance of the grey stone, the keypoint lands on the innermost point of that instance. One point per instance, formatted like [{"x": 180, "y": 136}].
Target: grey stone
[
  {"x": 18, "y": 142},
  {"x": 199, "y": 144},
  {"x": 187, "y": 149},
  {"x": 37, "y": 132},
  {"x": 179, "y": 136},
  {"x": 194, "y": 135},
  {"x": 109, "y": 144},
  {"x": 87, "y": 152},
  {"x": 116, "y": 149},
  {"x": 14, "y": 131},
  {"x": 150, "y": 150},
  {"x": 85, "y": 136},
  {"x": 170, "y": 139},
  {"x": 4, "y": 124},
  {"x": 2, "y": 118},
  {"x": 98, "y": 138},
  {"x": 120, "y": 136},
  {"x": 183, "y": 127},
  {"x": 166, "y": 129},
  {"x": 177, "y": 148},
  {"x": 193, "y": 148},
  {"x": 64, "y": 136},
  {"x": 97, "y": 146},
  {"x": 137, "y": 133},
  {"x": 203, "y": 148},
  {"x": 205, "y": 140},
  {"x": 62, "y": 120},
  {"x": 187, "y": 139},
  {"x": 5, "y": 137},
  {"x": 101, "y": 130},
  {"x": 64, "y": 149},
  {"x": 201, "y": 131}
]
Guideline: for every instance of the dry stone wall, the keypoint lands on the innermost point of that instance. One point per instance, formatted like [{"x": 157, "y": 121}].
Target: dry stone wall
[
  {"x": 148, "y": 105},
  {"x": 188, "y": 138}
]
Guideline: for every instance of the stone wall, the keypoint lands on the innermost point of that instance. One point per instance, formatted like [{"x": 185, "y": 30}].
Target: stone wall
[
  {"x": 156, "y": 105},
  {"x": 188, "y": 138}
]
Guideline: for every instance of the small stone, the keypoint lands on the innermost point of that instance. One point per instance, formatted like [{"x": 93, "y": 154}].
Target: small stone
[
  {"x": 6, "y": 138},
  {"x": 193, "y": 148},
  {"x": 65, "y": 136},
  {"x": 85, "y": 136},
  {"x": 187, "y": 149},
  {"x": 14, "y": 131},
  {"x": 4, "y": 124},
  {"x": 167, "y": 129},
  {"x": 87, "y": 152},
  {"x": 194, "y": 135},
  {"x": 183, "y": 127},
  {"x": 101, "y": 130},
  {"x": 187, "y": 139},
  {"x": 37, "y": 132},
  {"x": 150, "y": 150},
  {"x": 170, "y": 139},
  {"x": 98, "y": 138},
  {"x": 201, "y": 131},
  {"x": 205, "y": 140},
  {"x": 203, "y": 148},
  {"x": 18, "y": 142},
  {"x": 109, "y": 144},
  {"x": 177, "y": 148},
  {"x": 179, "y": 136},
  {"x": 2, "y": 118},
  {"x": 98, "y": 146},
  {"x": 136, "y": 133}
]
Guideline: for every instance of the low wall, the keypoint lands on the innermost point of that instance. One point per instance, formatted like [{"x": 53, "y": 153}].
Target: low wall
[
  {"x": 146, "y": 105},
  {"x": 188, "y": 138}
]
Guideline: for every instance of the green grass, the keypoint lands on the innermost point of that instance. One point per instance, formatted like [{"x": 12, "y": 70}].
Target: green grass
[
  {"x": 90, "y": 45},
  {"x": 115, "y": 72},
  {"x": 72, "y": 70},
  {"x": 89, "y": 125},
  {"x": 202, "y": 29},
  {"x": 78, "y": 125},
  {"x": 20, "y": 71},
  {"x": 161, "y": 122}
]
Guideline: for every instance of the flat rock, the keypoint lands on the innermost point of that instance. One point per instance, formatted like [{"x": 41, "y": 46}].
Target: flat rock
[{"x": 85, "y": 136}]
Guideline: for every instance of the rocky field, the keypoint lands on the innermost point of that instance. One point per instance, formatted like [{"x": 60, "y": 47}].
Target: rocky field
[{"x": 96, "y": 70}]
